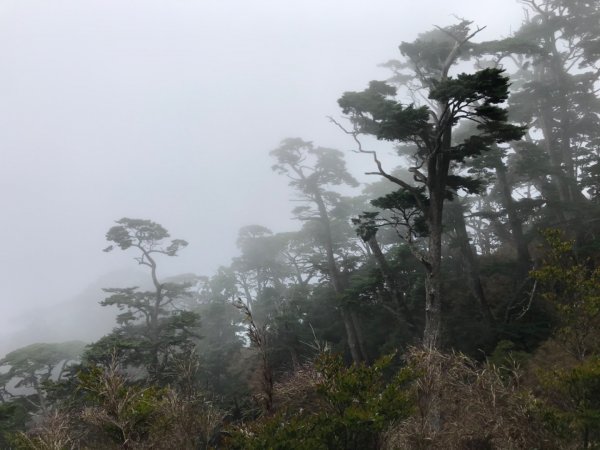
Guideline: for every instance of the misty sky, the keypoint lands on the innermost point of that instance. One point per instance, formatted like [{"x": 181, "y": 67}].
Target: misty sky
[{"x": 167, "y": 110}]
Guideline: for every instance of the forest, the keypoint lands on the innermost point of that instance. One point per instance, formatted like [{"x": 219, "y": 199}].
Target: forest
[{"x": 451, "y": 303}]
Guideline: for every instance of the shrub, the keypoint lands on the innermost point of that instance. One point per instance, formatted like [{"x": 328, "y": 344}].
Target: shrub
[{"x": 328, "y": 405}]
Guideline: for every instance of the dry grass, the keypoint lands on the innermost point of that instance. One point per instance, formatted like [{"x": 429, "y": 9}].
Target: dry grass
[
  {"x": 462, "y": 405},
  {"x": 52, "y": 432}
]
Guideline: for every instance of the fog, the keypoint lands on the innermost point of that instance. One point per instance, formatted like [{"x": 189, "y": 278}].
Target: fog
[{"x": 167, "y": 110}]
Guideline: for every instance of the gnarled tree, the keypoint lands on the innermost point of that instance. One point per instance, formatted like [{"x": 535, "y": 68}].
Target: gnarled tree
[
  {"x": 425, "y": 134},
  {"x": 152, "y": 328}
]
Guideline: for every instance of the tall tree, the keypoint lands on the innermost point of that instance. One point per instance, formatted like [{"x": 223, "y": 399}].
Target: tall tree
[
  {"x": 312, "y": 172},
  {"x": 152, "y": 328},
  {"x": 425, "y": 134}
]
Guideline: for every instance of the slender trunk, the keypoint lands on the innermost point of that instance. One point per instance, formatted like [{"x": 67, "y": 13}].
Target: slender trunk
[
  {"x": 360, "y": 338},
  {"x": 350, "y": 321},
  {"x": 433, "y": 295},
  {"x": 43, "y": 405},
  {"x": 298, "y": 274},
  {"x": 154, "y": 367},
  {"x": 247, "y": 293},
  {"x": 348, "y": 316},
  {"x": 351, "y": 336}
]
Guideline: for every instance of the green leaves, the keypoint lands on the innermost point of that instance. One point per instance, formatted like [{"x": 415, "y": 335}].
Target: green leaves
[
  {"x": 372, "y": 111},
  {"x": 130, "y": 232},
  {"x": 353, "y": 405},
  {"x": 473, "y": 97},
  {"x": 144, "y": 234},
  {"x": 487, "y": 85},
  {"x": 573, "y": 406},
  {"x": 360, "y": 394},
  {"x": 573, "y": 288}
]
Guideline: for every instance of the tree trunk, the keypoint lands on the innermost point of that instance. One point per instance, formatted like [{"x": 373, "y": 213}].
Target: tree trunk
[
  {"x": 354, "y": 337},
  {"x": 360, "y": 338},
  {"x": 351, "y": 336},
  {"x": 433, "y": 309},
  {"x": 433, "y": 280},
  {"x": 438, "y": 166}
]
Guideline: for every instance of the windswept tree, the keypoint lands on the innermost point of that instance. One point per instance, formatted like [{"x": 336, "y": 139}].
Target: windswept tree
[
  {"x": 424, "y": 134},
  {"x": 313, "y": 172},
  {"x": 152, "y": 328}
]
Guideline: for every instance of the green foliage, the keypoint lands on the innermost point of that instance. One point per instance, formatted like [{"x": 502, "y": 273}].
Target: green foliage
[
  {"x": 572, "y": 392},
  {"x": 14, "y": 416},
  {"x": 375, "y": 112},
  {"x": 113, "y": 411},
  {"x": 507, "y": 358},
  {"x": 31, "y": 358},
  {"x": 573, "y": 402},
  {"x": 398, "y": 209},
  {"x": 354, "y": 406},
  {"x": 573, "y": 288},
  {"x": 122, "y": 411},
  {"x": 153, "y": 326},
  {"x": 323, "y": 284},
  {"x": 142, "y": 233}
]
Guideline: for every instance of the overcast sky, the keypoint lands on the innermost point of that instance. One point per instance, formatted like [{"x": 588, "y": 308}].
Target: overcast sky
[{"x": 167, "y": 110}]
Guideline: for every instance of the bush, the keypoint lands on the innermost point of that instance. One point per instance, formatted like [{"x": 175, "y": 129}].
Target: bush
[
  {"x": 328, "y": 405},
  {"x": 114, "y": 412}
]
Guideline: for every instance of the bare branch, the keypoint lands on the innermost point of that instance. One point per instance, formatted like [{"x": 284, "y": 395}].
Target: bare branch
[{"x": 380, "y": 170}]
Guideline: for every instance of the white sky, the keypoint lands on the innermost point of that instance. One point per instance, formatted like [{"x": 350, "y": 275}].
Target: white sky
[{"x": 167, "y": 110}]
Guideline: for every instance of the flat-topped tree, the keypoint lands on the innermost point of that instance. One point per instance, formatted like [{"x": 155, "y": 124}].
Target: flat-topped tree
[
  {"x": 424, "y": 134},
  {"x": 152, "y": 328},
  {"x": 148, "y": 237}
]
